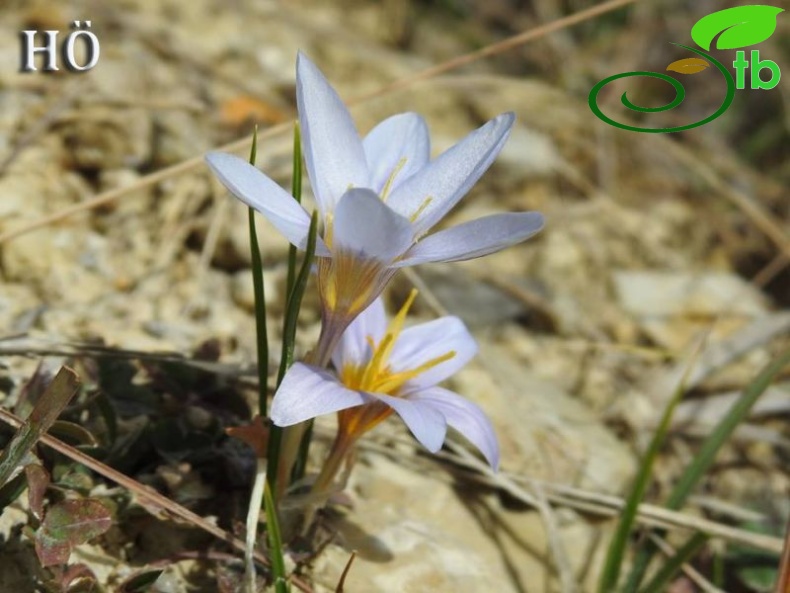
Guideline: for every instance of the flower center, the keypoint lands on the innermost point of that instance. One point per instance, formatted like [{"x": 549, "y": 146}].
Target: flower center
[{"x": 376, "y": 375}]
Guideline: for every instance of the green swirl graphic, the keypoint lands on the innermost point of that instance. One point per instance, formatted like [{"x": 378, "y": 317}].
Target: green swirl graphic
[{"x": 680, "y": 94}]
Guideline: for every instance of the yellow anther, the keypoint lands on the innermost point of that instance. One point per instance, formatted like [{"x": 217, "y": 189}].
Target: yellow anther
[
  {"x": 376, "y": 375},
  {"x": 329, "y": 228},
  {"x": 421, "y": 209},
  {"x": 388, "y": 186}
]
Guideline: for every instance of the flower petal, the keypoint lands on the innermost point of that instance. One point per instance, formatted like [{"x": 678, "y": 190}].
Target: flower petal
[
  {"x": 258, "y": 191},
  {"x": 353, "y": 347},
  {"x": 366, "y": 226},
  {"x": 421, "y": 343},
  {"x": 445, "y": 180},
  {"x": 307, "y": 392},
  {"x": 332, "y": 148},
  {"x": 396, "y": 148},
  {"x": 465, "y": 417},
  {"x": 475, "y": 238},
  {"x": 425, "y": 422}
]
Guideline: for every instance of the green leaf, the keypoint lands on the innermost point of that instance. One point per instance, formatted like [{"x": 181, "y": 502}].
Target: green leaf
[
  {"x": 617, "y": 547},
  {"x": 704, "y": 458},
  {"x": 275, "y": 542},
  {"x": 261, "y": 332},
  {"x": 661, "y": 580},
  {"x": 296, "y": 192},
  {"x": 47, "y": 409},
  {"x": 740, "y": 26}
]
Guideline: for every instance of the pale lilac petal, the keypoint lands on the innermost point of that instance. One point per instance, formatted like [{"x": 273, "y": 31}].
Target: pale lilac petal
[
  {"x": 423, "y": 419},
  {"x": 366, "y": 226},
  {"x": 353, "y": 347},
  {"x": 396, "y": 148},
  {"x": 418, "y": 344},
  {"x": 465, "y": 417},
  {"x": 332, "y": 148},
  {"x": 307, "y": 392},
  {"x": 475, "y": 238},
  {"x": 258, "y": 191},
  {"x": 447, "y": 179}
]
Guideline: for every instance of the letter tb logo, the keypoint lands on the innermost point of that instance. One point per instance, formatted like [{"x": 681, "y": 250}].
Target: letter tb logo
[
  {"x": 731, "y": 28},
  {"x": 741, "y": 64}
]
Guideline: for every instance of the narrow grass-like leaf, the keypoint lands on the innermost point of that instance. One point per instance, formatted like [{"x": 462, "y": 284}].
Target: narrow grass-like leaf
[
  {"x": 289, "y": 337},
  {"x": 296, "y": 192},
  {"x": 615, "y": 554},
  {"x": 12, "y": 490},
  {"x": 295, "y": 301},
  {"x": 260, "y": 298},
  {"x": 658, "y": 584},
  {"x": 704, "y": 458},
  {"x": 275, "y": 542},
  {"x": 47, "y": 409}
]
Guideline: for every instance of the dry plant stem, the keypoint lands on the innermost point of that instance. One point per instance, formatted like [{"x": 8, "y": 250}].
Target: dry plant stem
[
  {"x": 195, "y": 162},
  {"x": 146, "y": 493},
  {"x": 568, "y": 582},
  {"x": 601, "y": 504},
  {"x": 253, "y": 515},
  {"x": 783, "y": 580}
]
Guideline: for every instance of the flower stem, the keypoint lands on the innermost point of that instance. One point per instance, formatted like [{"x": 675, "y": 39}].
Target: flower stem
[{"x": 334, "y": 461}]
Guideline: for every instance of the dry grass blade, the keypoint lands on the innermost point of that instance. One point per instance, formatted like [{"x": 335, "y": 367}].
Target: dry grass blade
[
  {"x": 148, "y": 494},
  {"x": 593, "y": 502},
  {"x": 559, "y": 553},
  {"x": 783, "y": 580},
  {"x": 193, "y": 163},
  {"x": 49, "y": 406}
]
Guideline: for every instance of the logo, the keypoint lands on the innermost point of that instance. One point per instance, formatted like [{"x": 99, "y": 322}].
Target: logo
[{"x": 732, "y": 28}]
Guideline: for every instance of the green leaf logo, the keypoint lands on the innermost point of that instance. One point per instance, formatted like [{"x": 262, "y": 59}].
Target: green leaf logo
[{"x": 739, "y": 27}]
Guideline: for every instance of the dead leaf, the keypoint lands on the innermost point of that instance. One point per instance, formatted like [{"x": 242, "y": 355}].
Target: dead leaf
[
  {"x": 244, "y": 109},
  {"x": 255, "y": 434},
  {"x": 37, "y": 483},
  {"x": 67, "y": 524},
  {"x": 688, "y": 66}
]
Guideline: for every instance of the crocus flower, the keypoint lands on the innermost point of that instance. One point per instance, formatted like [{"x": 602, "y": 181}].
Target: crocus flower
[
  {"x": 378, "y": 197},
  {"x": 382, "y": 369}
]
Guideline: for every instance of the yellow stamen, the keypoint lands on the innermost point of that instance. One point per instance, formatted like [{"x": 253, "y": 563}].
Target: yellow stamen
[
  {"x": 329, "y": 229},
  {"x": 394, "y": 381},
  {"x": 376, "y": 375},
  {"x": 421, "y": 209},
  {"x": 388, "y": 186}
]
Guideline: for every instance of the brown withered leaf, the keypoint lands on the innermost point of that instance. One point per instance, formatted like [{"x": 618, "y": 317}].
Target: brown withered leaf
[
  {"x": 37, "y": 483},
  {"x": 244, "y": 109},
  {"x": 688, "y": 65},
  {"x": 255, "y": 434},
  {"x": 67, "y": 524}
]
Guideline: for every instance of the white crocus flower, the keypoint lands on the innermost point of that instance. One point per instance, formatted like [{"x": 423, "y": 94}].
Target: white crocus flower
[
  {"x": 382, "y": 369},
  {"x": 378, "y": 198}
]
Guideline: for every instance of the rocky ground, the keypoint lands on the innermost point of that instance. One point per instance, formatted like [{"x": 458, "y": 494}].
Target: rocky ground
[{"x": 656, "y": 246}]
